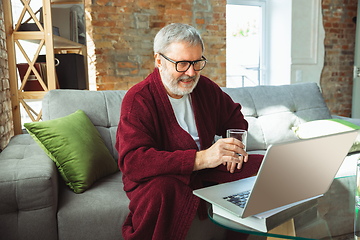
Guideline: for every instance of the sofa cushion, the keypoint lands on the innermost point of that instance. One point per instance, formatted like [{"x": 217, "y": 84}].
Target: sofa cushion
[
  {"x": 326, "y": 127},
  {"x": 99, "y": 212},
  {"x": 103, "y": 208},
  {"x": 76, "y": 147},
  {"x": 28, "y": 191}
]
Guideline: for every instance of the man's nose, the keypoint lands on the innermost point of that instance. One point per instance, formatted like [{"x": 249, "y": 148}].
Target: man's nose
[{"x": 191, "y": 71}]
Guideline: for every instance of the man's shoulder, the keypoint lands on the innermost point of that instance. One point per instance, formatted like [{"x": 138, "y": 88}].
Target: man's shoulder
[
  {"x": 139, "y": 88},
  {"x": 142, "y": 89},
  {"x": 139, "y": 96},
  {"x": 139, "y": 91},
  {"x": 207, "y": 85}
]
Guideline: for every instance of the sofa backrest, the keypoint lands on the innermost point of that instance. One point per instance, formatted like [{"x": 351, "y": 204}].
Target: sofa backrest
[
  {"x": 270, "y": 110},
  {"x": 102, "y": 108}
]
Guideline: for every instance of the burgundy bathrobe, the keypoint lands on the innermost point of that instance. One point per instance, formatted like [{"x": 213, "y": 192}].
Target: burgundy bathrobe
[{"x": 156, "y": 156}]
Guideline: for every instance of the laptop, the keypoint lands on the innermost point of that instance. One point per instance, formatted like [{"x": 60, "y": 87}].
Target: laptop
[{"x": 291, "y": 172}]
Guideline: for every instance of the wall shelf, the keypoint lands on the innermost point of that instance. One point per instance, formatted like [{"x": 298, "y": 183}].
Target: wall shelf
[{"x": 44, "y": 38}]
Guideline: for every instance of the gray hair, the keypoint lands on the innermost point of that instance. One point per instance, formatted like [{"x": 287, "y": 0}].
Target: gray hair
[{"x": 175, "y": 33}]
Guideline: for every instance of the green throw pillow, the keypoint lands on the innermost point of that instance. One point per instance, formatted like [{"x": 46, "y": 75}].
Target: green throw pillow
[
  {"x": 325, "y": 127},
  {"x": 76, "y": 147}
]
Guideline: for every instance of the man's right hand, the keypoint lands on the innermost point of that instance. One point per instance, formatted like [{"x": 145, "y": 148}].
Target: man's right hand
[{"x": 224, "y": 151}]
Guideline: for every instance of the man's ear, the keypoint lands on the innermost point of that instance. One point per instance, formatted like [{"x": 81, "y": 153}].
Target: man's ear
[{"x": 158, "y": 61}]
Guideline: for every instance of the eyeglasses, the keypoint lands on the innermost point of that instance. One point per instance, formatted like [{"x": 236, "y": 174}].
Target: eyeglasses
[{"x": 183, "y": 66}]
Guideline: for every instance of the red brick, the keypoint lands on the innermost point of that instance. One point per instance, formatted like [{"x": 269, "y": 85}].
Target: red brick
[
  {"x": 103, "y": 23},
  {"x": 102, "y": 2},
  {"x": 157, "y": 24},
  {"x": 199, "y": 21},
  {"x": 127, "y": 65},
  {"x": 186, "y": 6},
  {"x": 351, "y": 8},
  {"x": 110, "y": 79},
  {"x": 212, "y": 27},
  {"x": 115, "y": 30},
  {"x": 135, "y": 72},
  {"x": 111, "y": 37},
  {"x": 143, "y": 4},
  {"x": 105, "y": 86},
  {"x": 102, "y": 16},
  {"x": 177, "y": 12},
  {"x": 101, "y": 65}
]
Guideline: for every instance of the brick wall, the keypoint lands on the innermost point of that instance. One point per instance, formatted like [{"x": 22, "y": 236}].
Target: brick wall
[
  {"x": 6, "y": 123},
  {"x": 337, "y": 76},
  {"x": 122, "y": 32}
]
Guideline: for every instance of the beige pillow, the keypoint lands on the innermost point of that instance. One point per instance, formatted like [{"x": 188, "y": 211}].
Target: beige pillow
[{"x": 326, "y": 127}]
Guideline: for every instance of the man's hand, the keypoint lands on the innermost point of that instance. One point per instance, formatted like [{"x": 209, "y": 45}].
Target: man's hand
[{"x": 224, "y": 151}]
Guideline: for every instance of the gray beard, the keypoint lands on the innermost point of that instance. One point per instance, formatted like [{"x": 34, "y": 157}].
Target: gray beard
[{"x": 172, "y": 83}]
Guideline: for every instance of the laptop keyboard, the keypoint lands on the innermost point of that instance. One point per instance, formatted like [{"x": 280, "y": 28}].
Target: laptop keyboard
[{"x": 238, "y": 199}]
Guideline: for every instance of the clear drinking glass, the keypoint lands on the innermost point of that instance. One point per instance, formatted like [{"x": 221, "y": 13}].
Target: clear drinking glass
[{"x": 239, "y": 134}]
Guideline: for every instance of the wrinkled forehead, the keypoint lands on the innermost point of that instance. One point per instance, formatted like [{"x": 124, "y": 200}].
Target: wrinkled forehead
[{"x": 185, "y": 48}]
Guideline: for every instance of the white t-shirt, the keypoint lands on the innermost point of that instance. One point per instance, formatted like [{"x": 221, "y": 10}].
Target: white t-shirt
[{"x": 185, "y": 116}]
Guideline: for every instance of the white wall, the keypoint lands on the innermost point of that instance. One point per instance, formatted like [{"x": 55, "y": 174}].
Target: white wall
[
  {"x": 355, "y": 108},
  {"x": 279, "y": 42},
  {"x": 295, "y": 41},
  {"x": 307, "y": 41}
]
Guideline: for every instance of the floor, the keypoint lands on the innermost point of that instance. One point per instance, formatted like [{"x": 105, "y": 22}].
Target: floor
[{"x": 345, "y": 237}]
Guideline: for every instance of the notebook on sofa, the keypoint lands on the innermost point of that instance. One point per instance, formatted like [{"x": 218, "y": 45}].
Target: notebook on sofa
[{"x": 291, "y": 173}]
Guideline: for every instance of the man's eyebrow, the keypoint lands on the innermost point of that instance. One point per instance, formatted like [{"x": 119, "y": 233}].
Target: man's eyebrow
[{"x": 191, "y": 61}]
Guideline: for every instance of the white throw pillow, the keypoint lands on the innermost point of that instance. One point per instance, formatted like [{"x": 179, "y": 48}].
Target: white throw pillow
[{"x": 324, "y": 127}]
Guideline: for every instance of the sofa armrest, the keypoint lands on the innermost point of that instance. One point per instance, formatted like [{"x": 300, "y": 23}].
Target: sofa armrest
[
  {"x": 29, "y": 191},
  {"x": 355, "y": 121}
]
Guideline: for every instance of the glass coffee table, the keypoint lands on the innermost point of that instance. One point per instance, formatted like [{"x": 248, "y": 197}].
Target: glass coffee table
[{"x": 336, "y": 214}]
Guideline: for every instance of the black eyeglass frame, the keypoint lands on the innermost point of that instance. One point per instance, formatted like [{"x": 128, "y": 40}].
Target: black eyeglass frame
[{"x": 190, "y": 63}]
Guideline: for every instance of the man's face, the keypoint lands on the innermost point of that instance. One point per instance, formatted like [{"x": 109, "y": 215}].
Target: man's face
[{"x": 177, "y": 84}]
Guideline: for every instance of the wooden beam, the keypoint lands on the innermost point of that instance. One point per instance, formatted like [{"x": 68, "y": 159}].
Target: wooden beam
[
  {"x": 31, "y": 94},
  {"x": 29, "y": 35},
  {"x": 31, "y": 66},
  {"x": 31, "y": 112},
  {"x": 49, "y": 44},
  {"x": 30, "y": 11}
]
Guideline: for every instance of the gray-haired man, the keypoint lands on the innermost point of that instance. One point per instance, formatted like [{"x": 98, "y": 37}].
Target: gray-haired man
[{"x": 165, "y": 139}]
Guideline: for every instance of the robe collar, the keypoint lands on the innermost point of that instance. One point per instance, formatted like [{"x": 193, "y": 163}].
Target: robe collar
[{"x": 166, "y": 109}]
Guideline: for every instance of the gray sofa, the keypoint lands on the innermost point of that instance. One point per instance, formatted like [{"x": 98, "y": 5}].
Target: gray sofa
[{"x": 36, "y": 204}]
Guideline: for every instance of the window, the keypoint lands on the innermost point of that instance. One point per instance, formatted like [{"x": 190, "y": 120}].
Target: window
[{"x": 245, "y": 43}]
